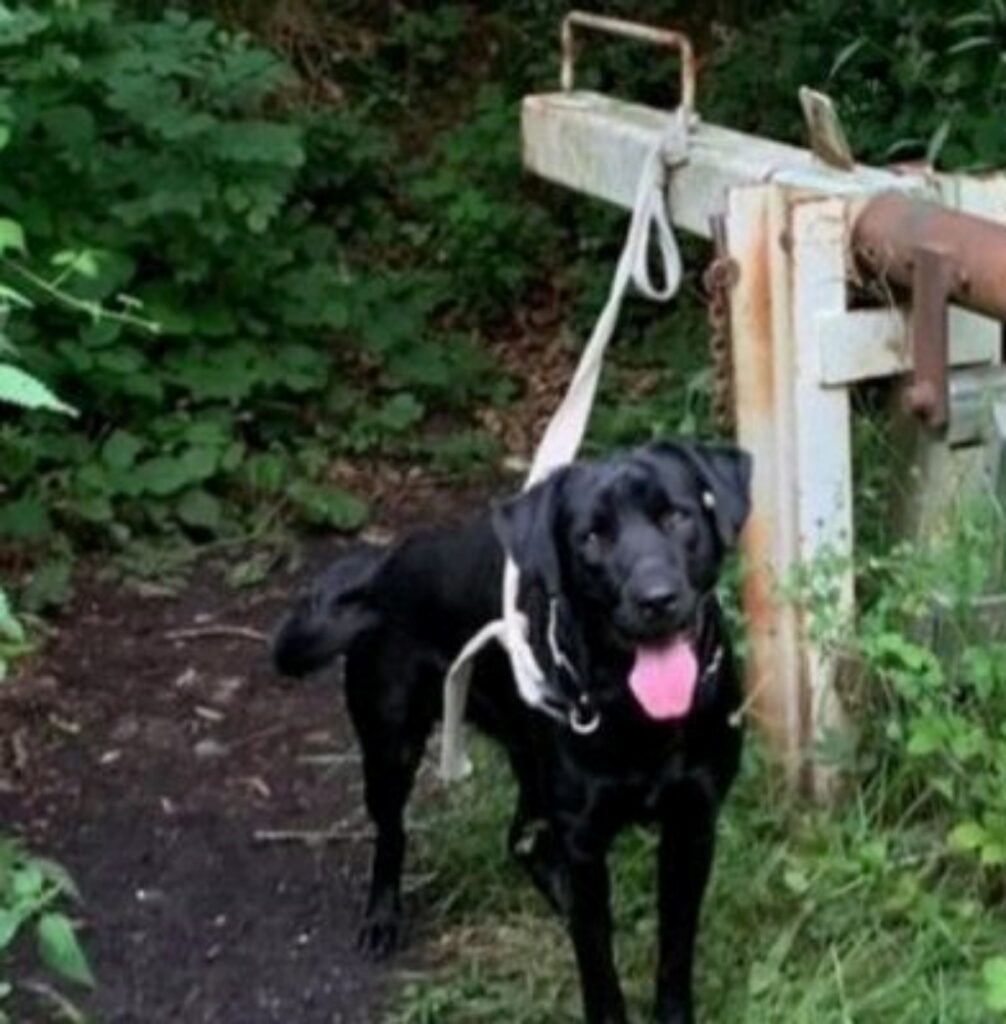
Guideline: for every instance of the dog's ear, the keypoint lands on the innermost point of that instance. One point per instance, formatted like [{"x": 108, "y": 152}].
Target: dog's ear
[
  {"x": 724, "y": 473},
  {"x": 526, "y": 527}
]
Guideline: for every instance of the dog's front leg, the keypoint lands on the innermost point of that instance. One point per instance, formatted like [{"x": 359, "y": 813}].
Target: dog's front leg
[
  {"x": 590, "y": 929},
  {"x": 685, "y": 858}
]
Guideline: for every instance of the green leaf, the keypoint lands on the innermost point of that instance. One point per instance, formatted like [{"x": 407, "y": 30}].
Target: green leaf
[
  {"x": 796, "y": 880},
  {"x": 26, "y": 883},
  {"x": 11, "y": 237},
  {"x": 969, "y": 835},
  {"x": 95, "y": 509},
  {"x": 10, "y": 923},
  {"x": 20, "y": 388},
  {"x": 60, "y": 950},
  {"x": 200, "y": 509},
  {"x": 845, "y": 55},
  {"x": 938, "y": 141},
  {"x": 162, "y": 475},
  {"x": 10, "y": 629},
  {"x": 25, "y": 519},
  {"x": 265, "y": 472},
  {"x": 121, "y": 449},
  {"x": 50, "y": 586},
  {"x": 994, "y": 976},
  {"x": 57, "y": 875},
  {"x": 200, "y": 462},
  {"x": 329, "y": 506},
  {"x": 258, "y": 142},
  {"x": 18, "y": 26}
]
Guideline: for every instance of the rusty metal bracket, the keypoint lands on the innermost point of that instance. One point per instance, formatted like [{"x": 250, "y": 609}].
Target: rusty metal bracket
[
  {"x": 630, "y": 30},
  {"x": 928, "y": 394},
  {"x": 942, "y": 256}
]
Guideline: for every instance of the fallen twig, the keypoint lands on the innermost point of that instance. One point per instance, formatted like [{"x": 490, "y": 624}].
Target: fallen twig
[
  {"x": 44, "y": 991},
  {"x": 313, "y": 837},
  {"x": 203, "y": 632}
]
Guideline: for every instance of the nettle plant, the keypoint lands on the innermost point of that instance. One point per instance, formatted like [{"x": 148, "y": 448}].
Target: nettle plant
[
  {"x": 32, "y": 889},
  {"x": 24, "y": 392},
  {"x": 935, "y": 642},
  {"x": 33, "y": 892},
  {"x": 146, "y": 173},
  {"x": 158, "y": 165},
  {"x": 316, "y": 290},
  {"x": 930, "y": 686}
]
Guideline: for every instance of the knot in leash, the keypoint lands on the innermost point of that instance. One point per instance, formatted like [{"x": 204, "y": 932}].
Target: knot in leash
[{"x": 650, "y": 234}]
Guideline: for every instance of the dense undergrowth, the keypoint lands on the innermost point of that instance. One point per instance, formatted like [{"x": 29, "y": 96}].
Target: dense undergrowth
[{"x": 306, "y": 220}]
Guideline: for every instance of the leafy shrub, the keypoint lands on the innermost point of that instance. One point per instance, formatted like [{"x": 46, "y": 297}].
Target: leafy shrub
[
  {"x": 484, "y": 233},
  {"x": 913, "y": 78},
  {"x": 32, "y": 891},
  {"x": 939, "y": 668},
  {"x": 159, "y": 166},
  {"x": 146, "y": 170}
]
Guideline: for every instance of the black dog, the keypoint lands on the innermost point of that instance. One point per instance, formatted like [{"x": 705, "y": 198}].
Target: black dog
[{"x": 618, "y": 561}]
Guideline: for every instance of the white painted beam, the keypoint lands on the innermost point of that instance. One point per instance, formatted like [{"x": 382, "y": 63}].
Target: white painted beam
[
  {"x": 596, "y": 145},
  {"x": 865, "y": 344}
]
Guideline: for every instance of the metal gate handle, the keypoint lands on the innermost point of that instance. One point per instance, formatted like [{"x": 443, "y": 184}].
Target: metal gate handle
[{"x": 631, "y": 30}]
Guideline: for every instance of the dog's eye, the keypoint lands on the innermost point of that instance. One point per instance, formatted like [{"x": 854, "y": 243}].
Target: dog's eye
[
  {"x": 594, "y": 544},
  {"x": 676, "y": 519}
]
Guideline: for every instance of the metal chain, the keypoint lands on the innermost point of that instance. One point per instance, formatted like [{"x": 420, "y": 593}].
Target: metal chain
[{"x": 719, "y": 279}]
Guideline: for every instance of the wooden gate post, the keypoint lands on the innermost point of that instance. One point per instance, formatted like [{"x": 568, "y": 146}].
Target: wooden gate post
[{"x": 791, "y": 257}]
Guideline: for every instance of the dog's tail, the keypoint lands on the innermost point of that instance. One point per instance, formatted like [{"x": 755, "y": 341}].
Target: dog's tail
[{"x": 330, "y": 615}]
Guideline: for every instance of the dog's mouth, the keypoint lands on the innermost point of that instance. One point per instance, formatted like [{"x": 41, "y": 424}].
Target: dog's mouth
[
  {"x": 664, "y": 674},
  {"x": 664, "y": 677}
]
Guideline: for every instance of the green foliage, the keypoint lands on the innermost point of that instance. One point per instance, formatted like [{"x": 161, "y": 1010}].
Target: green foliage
[
  {"x": 155, "y": 168},
  {"x": 913, "y": 78},
  {"x": 13, "y": 640},
  {"x": 482, "y": 231},
  {"x": 32, "y": 891},
  {"x": 938, "y": 662}
]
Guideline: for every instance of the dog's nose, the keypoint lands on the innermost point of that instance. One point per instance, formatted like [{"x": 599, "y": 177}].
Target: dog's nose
[{"x": 658, "y": 599}]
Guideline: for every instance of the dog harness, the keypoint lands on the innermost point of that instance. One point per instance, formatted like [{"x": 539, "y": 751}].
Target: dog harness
[{"x": 649, "y": 228}]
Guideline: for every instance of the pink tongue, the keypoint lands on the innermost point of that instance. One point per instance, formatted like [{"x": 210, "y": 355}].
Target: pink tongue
[{"x": 663, "y": 679}]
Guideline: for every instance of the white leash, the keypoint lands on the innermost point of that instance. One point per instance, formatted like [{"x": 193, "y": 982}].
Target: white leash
[{"x": 565, "y": 432}]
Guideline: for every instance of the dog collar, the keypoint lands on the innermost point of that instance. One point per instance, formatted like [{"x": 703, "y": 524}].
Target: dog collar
[
  {"x": 581, "y": 714},
  {"x": 584, "y": 718}
]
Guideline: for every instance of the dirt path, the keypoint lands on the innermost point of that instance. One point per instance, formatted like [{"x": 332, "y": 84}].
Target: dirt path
[
  {"x": 147, "y": 765},
  {"x": 148, "y": 762}
]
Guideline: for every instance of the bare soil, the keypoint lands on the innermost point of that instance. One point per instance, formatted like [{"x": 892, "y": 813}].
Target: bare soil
[{"x": 183, "y": 786}]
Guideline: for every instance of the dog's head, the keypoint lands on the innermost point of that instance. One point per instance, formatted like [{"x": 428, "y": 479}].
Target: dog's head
[{"x": 632, "y": 545}]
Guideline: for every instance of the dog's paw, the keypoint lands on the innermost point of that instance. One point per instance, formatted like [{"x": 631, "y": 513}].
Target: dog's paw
[{"x": 380, "y": 935}]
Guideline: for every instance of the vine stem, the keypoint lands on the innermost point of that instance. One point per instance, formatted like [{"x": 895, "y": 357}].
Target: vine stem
[{"x": 92, "y": 309}]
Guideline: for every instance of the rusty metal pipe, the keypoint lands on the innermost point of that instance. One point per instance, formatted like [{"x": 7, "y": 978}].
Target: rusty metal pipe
[
  {"x": 942, "y": 256},
  {"x": 893, "y": 228}
]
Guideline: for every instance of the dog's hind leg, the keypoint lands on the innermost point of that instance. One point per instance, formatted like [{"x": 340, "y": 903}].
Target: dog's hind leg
[{"x": 393, "y": 723}]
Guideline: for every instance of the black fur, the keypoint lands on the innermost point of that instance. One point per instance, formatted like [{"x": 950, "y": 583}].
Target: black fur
[{"x": 628, "y": 551}]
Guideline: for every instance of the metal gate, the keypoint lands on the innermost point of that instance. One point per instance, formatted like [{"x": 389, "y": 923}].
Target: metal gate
[{"x": 795, "y": 230}]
